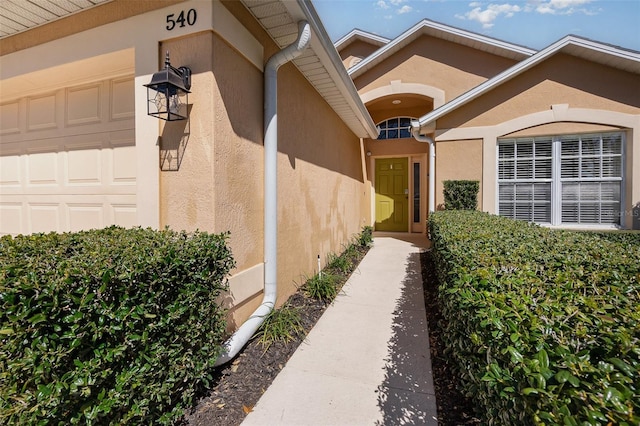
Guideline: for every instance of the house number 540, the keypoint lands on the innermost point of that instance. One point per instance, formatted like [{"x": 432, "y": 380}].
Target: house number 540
[{"x": 183, "y": 19}]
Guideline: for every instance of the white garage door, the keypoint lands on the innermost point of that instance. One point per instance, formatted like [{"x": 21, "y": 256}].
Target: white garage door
[{"x": 68, "y": 159}]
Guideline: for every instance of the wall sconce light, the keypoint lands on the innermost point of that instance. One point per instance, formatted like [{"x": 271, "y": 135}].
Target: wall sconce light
[{"x": 168, "y": 92}]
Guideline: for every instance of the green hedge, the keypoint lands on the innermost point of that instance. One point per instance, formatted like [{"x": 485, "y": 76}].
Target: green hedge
[
  {"x": 543, "y": 325},
  {"x": 109, "y": 326},
  {"x": 461, "y": 194}
]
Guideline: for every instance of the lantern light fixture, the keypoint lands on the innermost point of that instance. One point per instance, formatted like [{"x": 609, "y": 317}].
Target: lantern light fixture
[{"x": 168, "y": 92}]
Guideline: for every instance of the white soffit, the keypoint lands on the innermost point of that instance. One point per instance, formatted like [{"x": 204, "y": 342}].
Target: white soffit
[
  {"x": 605, "y": 54},
  {"x": 445, "y": 32},
  {"x": 319, "y": 63},
  {"x": 17, "y": 16}
]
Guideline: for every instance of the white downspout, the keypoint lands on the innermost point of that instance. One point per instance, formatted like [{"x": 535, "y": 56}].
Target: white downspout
[
  {"x": 415, "y": 130},
  {"x": 240, "y": 338}
]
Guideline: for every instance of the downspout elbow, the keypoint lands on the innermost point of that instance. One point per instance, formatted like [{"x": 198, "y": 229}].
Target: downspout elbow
[{"x": 240, "y": 338}]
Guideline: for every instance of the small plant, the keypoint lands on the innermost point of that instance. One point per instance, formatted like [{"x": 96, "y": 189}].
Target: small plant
[
  {"x": 281, "y": 325},
  {"x": 340, "y": 263},
  {"x": 322, "y": 287},
  {"x": 365, "y": 239}
]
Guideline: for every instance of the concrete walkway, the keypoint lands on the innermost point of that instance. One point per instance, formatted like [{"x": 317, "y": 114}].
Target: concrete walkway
[{"x": 366, "y": 362}]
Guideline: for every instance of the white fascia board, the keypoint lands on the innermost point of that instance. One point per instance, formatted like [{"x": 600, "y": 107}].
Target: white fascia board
[
  {"x": 427, "y": 120},
  {"x": 328, "y": 55},
  {"x": 605, "y": 49},
  {"x": 423, "y": 27},
  {"x": 383, "y": 52},
  {"x": 362, "y": 35},
  {"x": 479, "y": 38}
]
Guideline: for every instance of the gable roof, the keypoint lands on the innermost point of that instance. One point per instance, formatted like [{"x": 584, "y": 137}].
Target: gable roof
[
  {"x": 319, "y": 63},
  {"x": 605, "y": 54},
  {"x": 445, "y": 32},
  {"x": 365, "y": 36}
]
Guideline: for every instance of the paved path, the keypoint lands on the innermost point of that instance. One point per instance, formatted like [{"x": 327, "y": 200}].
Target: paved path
[{"x": 366, "y": 362}]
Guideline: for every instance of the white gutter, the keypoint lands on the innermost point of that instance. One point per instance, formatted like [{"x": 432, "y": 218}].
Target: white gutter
[
  {"x": 240, "y": 338},
  {"x": 415, "y": 131}
]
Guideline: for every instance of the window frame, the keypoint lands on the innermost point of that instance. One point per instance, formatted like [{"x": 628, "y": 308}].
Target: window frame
[
  {"x": 557, "y": 200},
  {"x": 385, "y": 128}
]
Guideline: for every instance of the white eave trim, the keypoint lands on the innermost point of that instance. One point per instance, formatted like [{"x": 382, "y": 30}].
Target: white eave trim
[
  {"x": 438, "y": 30},
  {"x": 568, "y": 41},
  {"x": 329, "y": 57}
]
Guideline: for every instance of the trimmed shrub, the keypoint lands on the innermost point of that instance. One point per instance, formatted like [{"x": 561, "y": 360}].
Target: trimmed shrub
[
  {"x": 461, "y": 194},
  {"x": 542, "y": 325},
  {"x": 108, "y": 326}
]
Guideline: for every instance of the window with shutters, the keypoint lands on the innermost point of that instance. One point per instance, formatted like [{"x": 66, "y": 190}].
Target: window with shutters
[
  {"x": 395, "y": 128},
  {"x": 558, "y": 180}
]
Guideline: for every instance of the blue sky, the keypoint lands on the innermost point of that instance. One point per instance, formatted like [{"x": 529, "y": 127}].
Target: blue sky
[{"x": 531, "y": 23}]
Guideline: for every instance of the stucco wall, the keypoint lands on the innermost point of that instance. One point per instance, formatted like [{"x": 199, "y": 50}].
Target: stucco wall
[
  {"x": 562, "y": 79},
  {"x": 356, "y": 49},
  {"x": 219, "y": 186},
  {"x": 458, "y": 160},
  {"x": 435, "y": 62}
]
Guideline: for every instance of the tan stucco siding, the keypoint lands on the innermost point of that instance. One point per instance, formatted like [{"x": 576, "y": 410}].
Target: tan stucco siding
[
  {"x": 321, "y": 195},
  {"x": 458, "y": 160},
  {"x": 357, "y": 49},
  {"x": 448, "y": 66},
  {"x": 186, "y": 182},
  {"x": 399, "y": 147},
  {"x": 219, "y": 186},
  {"x": 114, "y": 11},
  {"x": 562, "y": 79}
]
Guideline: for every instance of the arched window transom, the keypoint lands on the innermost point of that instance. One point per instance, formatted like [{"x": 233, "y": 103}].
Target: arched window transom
[{"x": 395, "y": 128}]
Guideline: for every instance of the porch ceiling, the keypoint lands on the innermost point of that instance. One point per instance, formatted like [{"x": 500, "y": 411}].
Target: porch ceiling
[{"x": 17, "y": 16}]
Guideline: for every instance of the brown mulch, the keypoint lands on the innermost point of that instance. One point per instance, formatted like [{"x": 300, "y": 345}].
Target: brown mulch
[{"x": 238, "y": 385}]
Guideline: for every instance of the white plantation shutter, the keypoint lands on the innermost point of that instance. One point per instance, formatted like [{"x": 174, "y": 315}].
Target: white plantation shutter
[
  {"x": 524, "y": 175},
  {"x": 588, "y": 181},
  {"x": 591, "y": 178}
]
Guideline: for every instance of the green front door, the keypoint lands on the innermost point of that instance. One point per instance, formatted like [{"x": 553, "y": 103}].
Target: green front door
[{"x": 392, "y": 194}]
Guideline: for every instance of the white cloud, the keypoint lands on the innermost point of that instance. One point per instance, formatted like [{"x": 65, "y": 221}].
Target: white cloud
[
  {"x": 490, "y": 14},
  {"x": 561, "y": 7},
  {"x": 397, "y": 2},
  {"x": 487, "y": 14},
  {"x": 404, "y": 9},
  {"x": 382, "y": 4}
]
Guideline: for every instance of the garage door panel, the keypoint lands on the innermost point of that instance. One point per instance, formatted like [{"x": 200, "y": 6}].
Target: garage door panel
[
  {"x": 84, "y": 166},
  {"x": 125, "y": 215},
  {"x": 11, "y": 218},
  {"x": 43, "y": 217},
  {"x": 10, "y": 118},
  {"x": 68, "y": 159},
  {"x": 123, "y": 165},
  {"x": 10, "y": 172},
  {"x": 21, "y": 214},
  {"x": 42, "y": 169},
  {"x": 41, "y": 113},
  {"x": 122, "y": 99},
  {"x": 83, "y": 105},
  {"x": 85, "y": 216}
]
